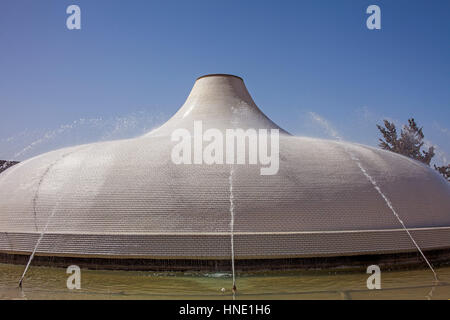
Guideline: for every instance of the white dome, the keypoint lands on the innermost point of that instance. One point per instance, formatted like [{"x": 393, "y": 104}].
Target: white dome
[{"x": 127, "y": 199}]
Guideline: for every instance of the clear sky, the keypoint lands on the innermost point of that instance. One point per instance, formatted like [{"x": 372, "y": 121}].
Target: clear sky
[{"x": 133, "y": 63}]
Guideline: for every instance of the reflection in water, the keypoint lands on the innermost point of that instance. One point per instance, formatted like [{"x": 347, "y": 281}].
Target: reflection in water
[{"x": 50, "y": 283}]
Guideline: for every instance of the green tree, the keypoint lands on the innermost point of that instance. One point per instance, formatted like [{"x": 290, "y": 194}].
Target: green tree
[
  {"x": 444, "y": 170},
  {"x": 6, "y": 164},
  {"x": 409, "y": 143}
]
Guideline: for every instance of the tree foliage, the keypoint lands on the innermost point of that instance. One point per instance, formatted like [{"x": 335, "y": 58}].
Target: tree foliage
[
  {"x": 409, "y": 143},
  {"x": 444, "y": 170},
  {"x": 6, "y": 164}
]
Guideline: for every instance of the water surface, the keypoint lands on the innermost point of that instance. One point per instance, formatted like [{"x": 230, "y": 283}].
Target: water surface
[{"x": 50, "y": 283}]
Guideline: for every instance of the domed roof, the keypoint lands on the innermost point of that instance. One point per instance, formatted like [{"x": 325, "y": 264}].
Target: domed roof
[{"x": 127, "y": 198}]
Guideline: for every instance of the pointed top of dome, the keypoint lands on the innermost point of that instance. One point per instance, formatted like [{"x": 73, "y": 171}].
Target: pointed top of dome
[{"x": 220, "y": 101}]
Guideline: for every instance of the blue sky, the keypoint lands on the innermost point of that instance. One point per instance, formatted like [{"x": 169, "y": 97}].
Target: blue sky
[{"x": 133, "y": 63}]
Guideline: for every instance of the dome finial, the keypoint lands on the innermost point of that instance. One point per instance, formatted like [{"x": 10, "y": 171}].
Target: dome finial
[{"x": 219, "y": 75}]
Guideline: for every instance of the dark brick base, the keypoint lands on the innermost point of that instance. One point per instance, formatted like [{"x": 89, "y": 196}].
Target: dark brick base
[{"x": 391, "y": 261}]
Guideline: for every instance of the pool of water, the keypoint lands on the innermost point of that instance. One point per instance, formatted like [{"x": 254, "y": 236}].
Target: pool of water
[{"x": 50, "y": 283}]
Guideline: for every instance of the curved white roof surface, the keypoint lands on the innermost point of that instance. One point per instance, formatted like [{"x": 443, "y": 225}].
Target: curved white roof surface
[{"x": 128, "y": 199}]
